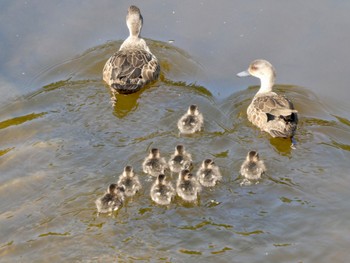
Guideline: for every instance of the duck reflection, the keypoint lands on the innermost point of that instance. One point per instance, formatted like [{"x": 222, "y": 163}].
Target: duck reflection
[
  {"x": 283, "y": 146},
  {"x": 124, "y": 104}
]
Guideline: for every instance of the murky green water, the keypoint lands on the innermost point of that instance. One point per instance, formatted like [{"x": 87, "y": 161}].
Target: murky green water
[{"x": 62, "y": 143}]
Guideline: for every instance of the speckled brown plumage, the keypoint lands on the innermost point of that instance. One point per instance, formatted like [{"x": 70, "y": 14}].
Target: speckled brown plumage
[
  {"x": 127, "y": 71},
  {"x": 274, "y": 114}
]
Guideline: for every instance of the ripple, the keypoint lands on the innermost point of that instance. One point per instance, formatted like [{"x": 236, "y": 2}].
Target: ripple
[
  {"x": 250, "y": 233},
  {"x": 21, "y": 119},
  {"x": 205, "y": 223},
  {"x": 221, "y": 250},
  {"x": 190, "y": 252},
  {"x": 54, "y": 234}
]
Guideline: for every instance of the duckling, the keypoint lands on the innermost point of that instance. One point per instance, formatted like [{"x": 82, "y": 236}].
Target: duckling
[
  {"x": 162, "y": 192},
  {"x": 187, "y": 186},
  {"x": 133, "y": 65},
  {"x": 252, "y": 168},
  {"x": 191, "y": 122},
  {"x": 209, "y": 173},
  {"x": 130, "y": 181},
  {"x": 272, "y": 113},
  {"x": 154, "y": 164},
  {"x": 180, "y": 160},
  {"x": 112, "y": 200}
]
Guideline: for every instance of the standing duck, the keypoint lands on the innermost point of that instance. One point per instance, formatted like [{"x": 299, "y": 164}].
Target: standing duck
[
  {"x": 180, "y": 160},
  {"x": 130, "y": 181},
  {"x": 133, "y": 65},
  {"x": 272, "y": 113},
  {"x": 209, "y": 173},
  {"x": 154, "y": 164},
  {"x": 162, "y": 191},
  {"x": 191, "y": 122},
  {"x": 112, "y": 200},
  {"x": 252, "y": 168},
  {"x": 187, "y": 186}
]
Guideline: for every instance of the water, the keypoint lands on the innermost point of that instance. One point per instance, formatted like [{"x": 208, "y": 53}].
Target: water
[{"x": 62, "y": 143}]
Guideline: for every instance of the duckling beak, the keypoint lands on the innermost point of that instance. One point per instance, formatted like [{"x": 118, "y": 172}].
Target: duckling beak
[{"x": 243, "y": 74}]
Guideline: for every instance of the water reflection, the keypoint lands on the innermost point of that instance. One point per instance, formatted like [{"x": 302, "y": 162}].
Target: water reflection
[{"x": 124, "y": 104}]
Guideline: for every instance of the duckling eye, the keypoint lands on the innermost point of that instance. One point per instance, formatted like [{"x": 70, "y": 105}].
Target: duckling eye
[{"x": 254, "y": 68}]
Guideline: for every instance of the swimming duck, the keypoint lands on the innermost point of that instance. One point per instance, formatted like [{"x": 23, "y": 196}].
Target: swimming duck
[
  {"x": 209, "y": 173},
  {"x": 153, "y": 163},
  {"x": 252, "y": 168},
  {"x": 187, "y": 186},
  {"x": 133, "y": 65},
  {"x": 162, "y": 192},
  {"x": 180, "y": 160},
  {"x": 191, "y": 122},
  {"x": 112, "y": 200},
  {"x": 130, "y": 181},
  {"x": 272, "y": 113}
]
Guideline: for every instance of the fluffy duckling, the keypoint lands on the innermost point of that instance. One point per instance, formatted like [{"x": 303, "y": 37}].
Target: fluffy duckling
[
  {"x": 133, "y": 65},
  {"x": 153, "y": 163},
  {"x": 191, "y": 122},
  {"x": 162, "y": 192},
  {"x": 187, "y": 186},
  {"x": 252, "y": 168},
  {"x": 130, "y": 181},
  {"x": 180, "y": 160},
  {"x": 209, "y": 173},
  {"x": 112, "y": 200},
  {"x": 272, "y": 113}
]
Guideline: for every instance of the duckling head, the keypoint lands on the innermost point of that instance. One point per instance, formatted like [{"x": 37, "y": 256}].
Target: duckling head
[
  {"x": 128, "y": 170},
  {"x": 193, "y": 110},
  {"x": 263, "y": 70},
  {"x": 186, "y": 175},
  {"x": 161, "y": 178},
  {"x": 112, "y": 188},
  {"x": 134, "y": 20},
  {"x": 208, "y": 163},
  {"x": 179, "y": 149},
  {"x": 154, "y": 153},
  {"x": 253, "y": 156}
]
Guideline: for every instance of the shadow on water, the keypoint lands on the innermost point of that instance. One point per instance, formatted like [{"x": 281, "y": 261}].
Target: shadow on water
[{"x": 65, "y": 143}]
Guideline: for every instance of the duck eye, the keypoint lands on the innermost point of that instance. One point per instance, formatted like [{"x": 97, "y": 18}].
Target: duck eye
[{"x": 254, "y": 68}]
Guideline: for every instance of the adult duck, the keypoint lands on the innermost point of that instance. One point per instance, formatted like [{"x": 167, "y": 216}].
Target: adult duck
[
  {"x": 271, "y": 112},
  {"x": 133, "y": 65}
]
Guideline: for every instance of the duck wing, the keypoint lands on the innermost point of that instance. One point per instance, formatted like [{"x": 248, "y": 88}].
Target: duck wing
[
  {"x": 281, "y": 117},
  {"x": 127, "y": 71},
  {"x": 275, "y": 105}
]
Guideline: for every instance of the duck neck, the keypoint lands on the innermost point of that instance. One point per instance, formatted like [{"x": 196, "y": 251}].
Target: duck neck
[
  {"x": 134, "y": 32},
  {"x": 266, "y": 84},
  {"x": 134, "y": 25}
]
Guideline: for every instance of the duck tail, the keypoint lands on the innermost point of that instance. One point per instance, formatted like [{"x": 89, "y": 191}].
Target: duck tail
[{"x": 126, "y": 88}]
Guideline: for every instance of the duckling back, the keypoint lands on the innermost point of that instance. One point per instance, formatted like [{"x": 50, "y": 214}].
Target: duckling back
[
  {"x": 180, "y": 160},
  {"x": 191, "y": 122},
  {"x": 130, "y": 182},
  {"x": 111, "y": 201},
  {"x": 162, "y": 192},
  {"x": 252, "y": 168},
  {"x": 187, "y": 186}
]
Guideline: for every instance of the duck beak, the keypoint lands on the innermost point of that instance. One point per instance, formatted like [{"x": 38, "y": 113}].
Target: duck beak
[{"x": 243, "y": 74}]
